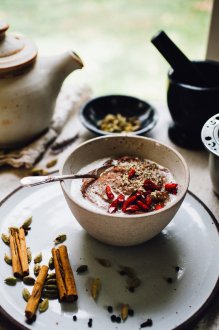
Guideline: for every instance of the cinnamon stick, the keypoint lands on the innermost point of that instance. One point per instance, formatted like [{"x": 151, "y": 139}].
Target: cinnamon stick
[
  {"x": 23, "y": 252},
  {"x": 64, "y": 275},
  {"x": 19, "y": 252},
  {"x": 58, "y": 147},
  {"x": 16, "y": 265},
  {"x": 68, "y": 274},
  {"x": 34, "y": 299},
  {"x": 59, "y": 274}
]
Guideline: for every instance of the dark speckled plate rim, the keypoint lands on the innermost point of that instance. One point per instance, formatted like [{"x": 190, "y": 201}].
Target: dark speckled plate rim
[
  {"x": 12, "y": 323},
  {"x": 97, "y": 131}
]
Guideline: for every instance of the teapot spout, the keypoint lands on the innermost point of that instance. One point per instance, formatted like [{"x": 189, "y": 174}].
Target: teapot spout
[
  {"x": 73, "y": 61},
  {"x": 59, "y": 67}
]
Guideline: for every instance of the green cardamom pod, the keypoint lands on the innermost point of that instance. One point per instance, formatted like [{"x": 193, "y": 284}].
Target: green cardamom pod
[
  {"x": 27, "y": 223},
  {"x": 11, "y": 281},
  {"x": 50, "y": 287},
  {"x": 26, "y": 294},
  {"x": 51, "y": 276},
  {"x": 51, "y": 163},
  {"x": 28, "y": 280},
  {"x": 5, "y": 239},
  {"x": 43, "y": 306},
  {"x": 60, "y": 239},
  {"x": 38, "y": 171},
  {"x": 82, "y": 269},
  {"x": 51, "y": 281},
  {"x": 29, "y": 255},
  {"x": 51, "y": 264},
  {"x": 95, "y": 287},
  {"x": 133, "y": 282},
  {"x": 36, "y": 269},
  {"x": 104, "y": 262},
  {"x": 124, "y": 311},
  {"x": 50, "y": 295},
  {"x": 50, "y": 291},
  {"x": 8, "y": 260},
  {"x": 38, "y": 258}
]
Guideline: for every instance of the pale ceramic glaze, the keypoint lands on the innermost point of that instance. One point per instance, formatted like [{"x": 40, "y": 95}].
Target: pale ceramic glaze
[
  {"x": 190, "y": 242},
  {"x": 27, "y": 100},
  {"x": 116, "y": 229},
  {"x": 28, "y": 87}
]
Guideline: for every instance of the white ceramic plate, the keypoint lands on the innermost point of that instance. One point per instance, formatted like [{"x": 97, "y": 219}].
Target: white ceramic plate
[{"x": 190, "y": 241}]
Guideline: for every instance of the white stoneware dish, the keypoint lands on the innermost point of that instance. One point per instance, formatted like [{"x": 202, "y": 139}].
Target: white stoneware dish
[
  {"x": 116, "y": 229},
  {"x": 170, "y": 305}
]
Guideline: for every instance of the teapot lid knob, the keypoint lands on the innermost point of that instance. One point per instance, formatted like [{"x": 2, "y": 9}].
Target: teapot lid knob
[
  {"x": 16, "y": 51},
  {"x": 3, "y": 28}
]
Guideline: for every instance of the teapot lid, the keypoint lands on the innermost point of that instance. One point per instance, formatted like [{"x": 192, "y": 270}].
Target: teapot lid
[{"x": 16, "y": 51}]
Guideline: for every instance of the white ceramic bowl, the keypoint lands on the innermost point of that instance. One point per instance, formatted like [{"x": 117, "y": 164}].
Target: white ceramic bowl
[{"x": 117, "y": 229}]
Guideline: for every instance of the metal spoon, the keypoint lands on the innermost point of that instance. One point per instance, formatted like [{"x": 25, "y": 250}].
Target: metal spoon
[{"x": 30, "y": 181}]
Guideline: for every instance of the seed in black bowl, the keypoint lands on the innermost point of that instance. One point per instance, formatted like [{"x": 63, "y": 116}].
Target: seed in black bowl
[
  {"x": 110, "y": 309},
  {"x": 113, "y": 318},
  {"x": 118, "y": 319},
  {"x": 131, "y": 312},
  {"x": 169, "y": 280},
  {"x": 147, "y": 323},
  {"x": 122, "y": 272},
  {"x": 90, "y": 323}
]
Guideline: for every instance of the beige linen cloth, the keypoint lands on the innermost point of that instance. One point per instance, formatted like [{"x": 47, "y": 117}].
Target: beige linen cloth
[{"x": 69, "y": 101}]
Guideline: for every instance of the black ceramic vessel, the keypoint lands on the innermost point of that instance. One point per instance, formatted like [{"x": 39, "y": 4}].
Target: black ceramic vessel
[{"x": 190, "y": 106}]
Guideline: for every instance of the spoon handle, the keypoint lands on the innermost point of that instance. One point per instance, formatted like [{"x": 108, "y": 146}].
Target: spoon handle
[{"x": 30, "y": 181}]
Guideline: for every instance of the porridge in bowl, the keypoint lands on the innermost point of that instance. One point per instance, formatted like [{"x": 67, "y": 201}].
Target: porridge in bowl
[{"x": 129, "y": 185}]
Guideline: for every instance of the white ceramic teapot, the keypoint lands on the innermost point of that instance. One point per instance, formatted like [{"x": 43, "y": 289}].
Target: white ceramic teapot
[{"x": 28, "y": 87}]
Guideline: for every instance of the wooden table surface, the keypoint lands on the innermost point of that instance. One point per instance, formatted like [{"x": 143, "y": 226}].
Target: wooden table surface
[{"x": 200, "y": 185}]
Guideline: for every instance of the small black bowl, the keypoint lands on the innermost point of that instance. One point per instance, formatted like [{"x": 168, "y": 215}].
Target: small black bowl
[{"x": 128, "y": 106}]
